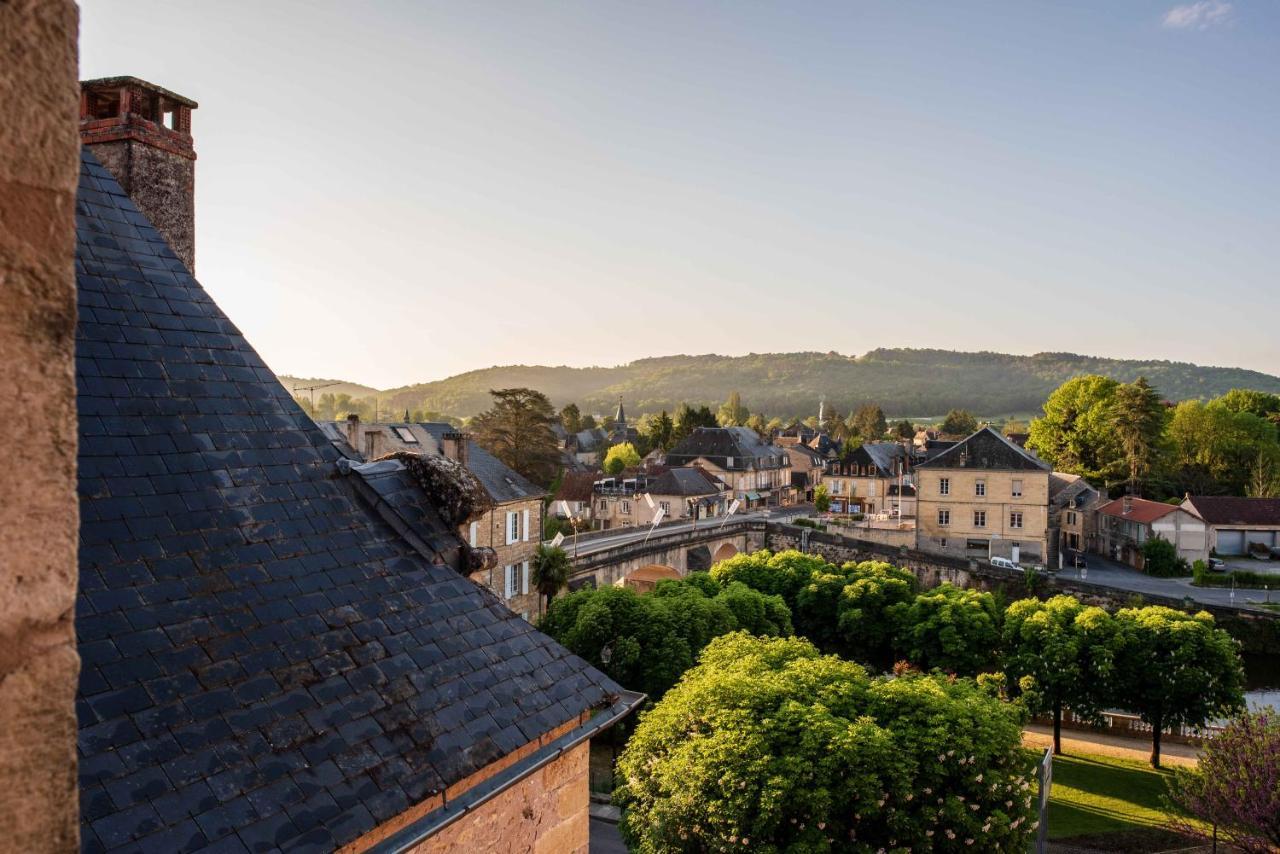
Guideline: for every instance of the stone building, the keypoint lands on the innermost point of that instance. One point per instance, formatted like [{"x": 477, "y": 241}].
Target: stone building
[
  {"x": 1073, "y": 505},
  {"x": 861, "y": 481},
  {"x": 759, "y": 473},
  {"x": 1126, "y": 523},
  {"x": 39, "y": 521},
  {"x": 680, "y": 494},
  {"x": 984, "y": 497},
  {"x": 510, "y": 527},
  {"x": 280, "y": 649}
]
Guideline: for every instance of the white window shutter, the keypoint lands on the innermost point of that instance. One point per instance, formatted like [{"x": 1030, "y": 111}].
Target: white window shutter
[
  {"x": 475, "y": 529},
  {"x": 511, "y": 520},
  {"x": 509, "y": 588},
  {"x": 526, "y": 531},
  {"x": 524, "y": 577}
]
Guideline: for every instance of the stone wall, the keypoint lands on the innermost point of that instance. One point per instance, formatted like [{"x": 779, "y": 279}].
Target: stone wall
[
  {"x": 39, "y": 521},
  {"x": 491, "y": 532},
  {"x": 546, "y": 813},
  {"x": 163, "y": 186}
]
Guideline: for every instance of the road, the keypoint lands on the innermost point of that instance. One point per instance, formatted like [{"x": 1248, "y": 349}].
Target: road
[
  {"x": 625, "y": 536},
  {"x": 1109, "y": 573}
]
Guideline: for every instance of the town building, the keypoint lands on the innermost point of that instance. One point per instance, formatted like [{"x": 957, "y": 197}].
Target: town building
[
  {"x": 1073, "y": 503},
  {"x": 279, "y": 647},
  {"x": 1126, "y": 523},
  {"x": 984, "y": 497},
  {"x": 680, "y": 494},
  {"x": 807, "y": 467},
  {"x": 859, "y": 482},
  {"x": 759, "y": 473},
  {"x": 510, "y": 526},
  {"x": 1234, "y": 524}
]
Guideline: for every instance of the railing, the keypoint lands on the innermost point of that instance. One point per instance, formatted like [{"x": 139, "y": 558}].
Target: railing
[{"x": 1126, "y": 725}]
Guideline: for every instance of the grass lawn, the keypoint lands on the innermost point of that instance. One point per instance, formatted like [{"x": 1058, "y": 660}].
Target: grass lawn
[{"x": 1102, "y": 794}]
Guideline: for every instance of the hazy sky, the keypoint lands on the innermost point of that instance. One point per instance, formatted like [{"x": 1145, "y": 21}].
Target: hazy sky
[{"x": 394, "y": 192}]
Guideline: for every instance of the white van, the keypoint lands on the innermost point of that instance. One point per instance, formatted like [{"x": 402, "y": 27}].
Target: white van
[{"x": 1005, "y": 563}]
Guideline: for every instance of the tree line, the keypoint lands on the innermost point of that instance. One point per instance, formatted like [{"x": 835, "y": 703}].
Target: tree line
[{"x": 1125, "y": 437}]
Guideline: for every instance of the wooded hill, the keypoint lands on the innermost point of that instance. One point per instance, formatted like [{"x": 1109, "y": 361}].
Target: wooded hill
[{"x": 904, "y": 382}]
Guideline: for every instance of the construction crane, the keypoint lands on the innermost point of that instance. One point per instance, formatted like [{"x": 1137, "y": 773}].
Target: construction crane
[{"x": 312, "y": 390}]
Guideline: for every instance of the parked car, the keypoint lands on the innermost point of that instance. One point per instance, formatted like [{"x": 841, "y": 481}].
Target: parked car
[
  {"x": 1005, "y": 563},
  {"x": 1078, "y": 560},
  {"x": 1217, "y": 564},
  {"x": 1275, "y": 552},
  {"x": 1259, "y": 551}
]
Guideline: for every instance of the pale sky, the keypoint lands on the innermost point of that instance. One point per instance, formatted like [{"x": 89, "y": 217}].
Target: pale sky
[{"x": 393, "y": 192}]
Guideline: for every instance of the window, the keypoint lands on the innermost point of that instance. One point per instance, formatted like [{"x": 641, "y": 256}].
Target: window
[
  {"x": 728, "y": 462},
  {"x": 1015, "y": 518},
  {"x": 405, "y": 435},
  {"x": 626, "y": 507},
  {"x": 837, "y": 487},
  {"x": 509, "y": 588},
  {"x": 513, "y": 527},
  {"x": 979, "y": 518},
  {"x": 944, "y": 517},
  {"x": 604, "y": 505},
  {"x": 944, "y": 486},
  {"x": 1071, "y": 517},
  {"x": 977, "y": 545},
  {"x": 943, "y": 542},
  {"x": 979, "y": 487},
  {"x": 871, "y": 489},
  {"x": 1017, "y": 489},
  {"x": 665, "y": 507}
]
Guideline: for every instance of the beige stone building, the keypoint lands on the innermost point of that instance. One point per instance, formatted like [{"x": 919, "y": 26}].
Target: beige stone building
[
  {"x": 759, "y": 473},
  {"x": 866, "y": 480},
  {"x": 680, "y": 494},
  {"x": 984, "y": 497},
  {"x": 511, "y": 528}
]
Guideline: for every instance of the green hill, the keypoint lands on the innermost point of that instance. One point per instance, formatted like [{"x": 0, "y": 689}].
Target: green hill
[{"x": 905, "y": 382}]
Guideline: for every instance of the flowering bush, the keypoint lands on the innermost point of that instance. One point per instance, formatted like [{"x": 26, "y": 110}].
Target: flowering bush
[
  {"x": 769, "y": 746},
  {"x": 1236, "y": 785}
]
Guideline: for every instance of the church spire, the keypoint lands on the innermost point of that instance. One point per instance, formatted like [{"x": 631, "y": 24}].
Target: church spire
[{"x": 620, "y": 419}]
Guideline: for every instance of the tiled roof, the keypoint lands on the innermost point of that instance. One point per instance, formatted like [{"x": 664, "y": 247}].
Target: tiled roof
[
  {"x": 576, "y": 486},
  {"x": 1231, "y": 510},
  {"x": 1140, "y": 509},
  {"x": 986, "y": 449},
  {"x": 266, "y": 663}
]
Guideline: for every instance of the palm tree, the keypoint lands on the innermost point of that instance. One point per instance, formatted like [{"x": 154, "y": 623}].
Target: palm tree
[{"x": 551, "y": 568}]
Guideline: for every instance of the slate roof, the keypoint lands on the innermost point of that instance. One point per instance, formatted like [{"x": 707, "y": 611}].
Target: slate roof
[
  {"x": 1232, "y": 510},
  {"x": 682, "y": 481},
  {"x": 503, "y": 483},
  {"x": 986, "y": 449},
  {"x": 266, "y": 663},
  {"x": 883, "y": 455},
  {"x": 719, "y": 443}
]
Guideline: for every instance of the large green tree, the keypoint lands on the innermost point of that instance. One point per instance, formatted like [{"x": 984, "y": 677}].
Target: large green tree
[
  {"x": 768, "y": 746},
  {"x": 733, "y": 413},
  {"x": 551, "y": 568},
  {"x": 619, "y": 457},
  {"x": 571, "y": 418},
  {"x": 1175, "y": 669},
  {"x": 1214, "y": 448},
  {"x": 865, "y": 609},
  {"x": 517, "y": 430},
  {"x": 958, "y": 422},
  {"x": 1260, "y": 403},
  {"x": 868, "y": 422},
  {"x": 661, "y": 431},
  {"x": 1138, "y": 419},
  {"x": 1075, "y": 434},
  {"x": 1067, "y": 650},
  {"x": 689, "y": 418},
  {"x": 948, "y": 628}
]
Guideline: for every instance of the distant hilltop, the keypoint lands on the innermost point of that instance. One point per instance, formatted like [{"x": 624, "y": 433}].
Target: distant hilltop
[{"x": 904, "y": 382}]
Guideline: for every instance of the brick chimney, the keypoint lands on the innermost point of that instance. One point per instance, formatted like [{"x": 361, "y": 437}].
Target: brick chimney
[
  {"x": 454, "y": 446},
  {"x": 353, "y": 431},
  {"x": 142, "y": 135}
]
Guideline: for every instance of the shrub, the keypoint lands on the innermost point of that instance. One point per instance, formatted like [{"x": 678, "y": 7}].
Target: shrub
[
  {"x": 768, "y": 746},
  {"x": 1160, "y": 559}
]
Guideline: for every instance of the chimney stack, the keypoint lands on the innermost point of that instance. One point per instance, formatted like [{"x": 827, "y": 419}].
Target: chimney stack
[
  {"x": 1128, "y": 504},
  {"x": 142, "y": 134},
  {"x": 454, "y": 446},
  {"x": 353, "y": 431}
]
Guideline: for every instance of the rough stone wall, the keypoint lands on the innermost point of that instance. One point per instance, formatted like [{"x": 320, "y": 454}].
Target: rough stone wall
[
  {"x": 491, "y": 532},
  {"x": 546, "y": 813},
  {"x": 163, "y": 186},
  {"x": 39, "y": 521}
]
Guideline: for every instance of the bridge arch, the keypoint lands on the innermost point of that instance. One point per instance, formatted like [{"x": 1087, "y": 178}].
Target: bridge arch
[
  {"x": 644, "y": 579},
  {"x": 726, "y": 551}
]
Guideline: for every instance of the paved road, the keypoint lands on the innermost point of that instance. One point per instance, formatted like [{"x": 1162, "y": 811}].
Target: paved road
[
  {"x": 625, "y": 536},
  {"x": 1116, "y": 575},
  {"x": 605, "y": 838}
]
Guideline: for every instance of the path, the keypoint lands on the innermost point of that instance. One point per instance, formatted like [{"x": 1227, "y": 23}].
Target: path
[{"x": 1077, "y": 742}]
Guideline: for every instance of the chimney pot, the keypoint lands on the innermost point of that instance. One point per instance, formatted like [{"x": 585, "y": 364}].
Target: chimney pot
[{"x": 141, "y": 133}]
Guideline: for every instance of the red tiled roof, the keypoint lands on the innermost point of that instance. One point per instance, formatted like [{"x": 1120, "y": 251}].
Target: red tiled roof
[
  {"x": 1142, "y": 510},
  {"x": 1231, "y": 510}
]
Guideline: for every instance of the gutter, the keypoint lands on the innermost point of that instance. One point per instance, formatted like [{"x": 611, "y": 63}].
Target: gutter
[{"x": 419, "y": 831}]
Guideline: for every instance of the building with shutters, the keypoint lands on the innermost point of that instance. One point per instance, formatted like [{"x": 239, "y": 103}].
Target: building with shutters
[
  {"x": 1126, "y": 523},
  {"x": 512, "y": 525}
]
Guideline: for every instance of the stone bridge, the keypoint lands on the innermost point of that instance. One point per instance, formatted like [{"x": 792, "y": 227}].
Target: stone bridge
[{"x": 641, "y": 564}]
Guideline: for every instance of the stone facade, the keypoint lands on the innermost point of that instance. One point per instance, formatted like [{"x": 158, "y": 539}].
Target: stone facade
[
  {"x": 39, "y": 521},
  {"x": 512, "y": 570},
  {"x": 976, "y": 512}
]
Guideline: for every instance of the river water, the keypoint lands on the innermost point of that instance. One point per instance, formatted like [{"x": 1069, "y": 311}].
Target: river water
[{"x": 1262, "y": 680}]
